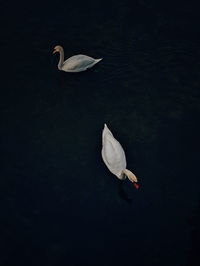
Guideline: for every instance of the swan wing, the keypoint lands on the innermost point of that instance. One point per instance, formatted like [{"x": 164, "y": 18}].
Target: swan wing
[
  {"x": 112, "y": 153},
  {"x": 78, "y": 63}
]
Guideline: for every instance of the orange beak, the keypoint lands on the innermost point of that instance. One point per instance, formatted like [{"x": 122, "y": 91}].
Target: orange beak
[
  {"x": 136, "y": 185},
  {"x": 54, "y": 51}
]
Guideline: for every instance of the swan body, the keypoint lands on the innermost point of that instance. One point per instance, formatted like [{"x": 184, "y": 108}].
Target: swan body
[
  {"x": 114, "y": 157},
  {"x": 76, "y": 63}
]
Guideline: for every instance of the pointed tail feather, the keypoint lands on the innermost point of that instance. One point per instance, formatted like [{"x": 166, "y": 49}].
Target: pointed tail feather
[{"x": 98, "y": 60}]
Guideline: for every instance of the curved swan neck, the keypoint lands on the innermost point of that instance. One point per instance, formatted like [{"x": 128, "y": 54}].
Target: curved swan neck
[
  {"x": 130, "y": 175},
  {"x": 61, "y": 60}
]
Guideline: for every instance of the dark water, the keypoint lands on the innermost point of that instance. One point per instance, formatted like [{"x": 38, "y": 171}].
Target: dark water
[{"x": 59, "y": 203}]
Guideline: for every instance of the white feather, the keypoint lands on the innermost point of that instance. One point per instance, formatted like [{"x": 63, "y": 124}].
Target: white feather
[{"x": 113, "y": 154}]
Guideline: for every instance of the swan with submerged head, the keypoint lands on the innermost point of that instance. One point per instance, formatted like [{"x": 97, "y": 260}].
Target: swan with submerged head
[
  {"x": 76, "y": 63},
  {"x": 114, "y": 157}
]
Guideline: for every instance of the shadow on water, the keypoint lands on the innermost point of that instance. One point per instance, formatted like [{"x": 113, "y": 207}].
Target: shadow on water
[{"x": 122, "y": 192}]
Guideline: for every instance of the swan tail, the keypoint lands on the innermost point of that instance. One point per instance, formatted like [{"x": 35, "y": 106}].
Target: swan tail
[
  {"x": 98, "y": 60},
  {"x": 94, "y": 63}
]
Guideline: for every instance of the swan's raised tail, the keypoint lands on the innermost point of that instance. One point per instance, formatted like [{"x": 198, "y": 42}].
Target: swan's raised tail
[
  {"x": 94, "y": 62},
  {"x": 98, "y": 60}
]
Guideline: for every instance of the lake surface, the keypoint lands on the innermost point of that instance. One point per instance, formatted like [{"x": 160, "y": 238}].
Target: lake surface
[{"x": 59, "y": 203}]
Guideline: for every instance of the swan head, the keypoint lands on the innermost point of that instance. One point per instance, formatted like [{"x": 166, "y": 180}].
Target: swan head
[
  {"x": 131, "y": 177},
  {"x": 57, "y": 49}
]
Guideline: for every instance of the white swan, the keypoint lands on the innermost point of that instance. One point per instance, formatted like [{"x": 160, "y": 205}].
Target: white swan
[
  {"x": 76, "y": 63},
  {"x": 114, "y": 157}
]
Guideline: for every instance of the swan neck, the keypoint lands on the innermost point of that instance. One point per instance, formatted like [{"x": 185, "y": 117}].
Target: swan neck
[
  {"x": 130, "y": 175},
  {"x": 61, "y": 60}
]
